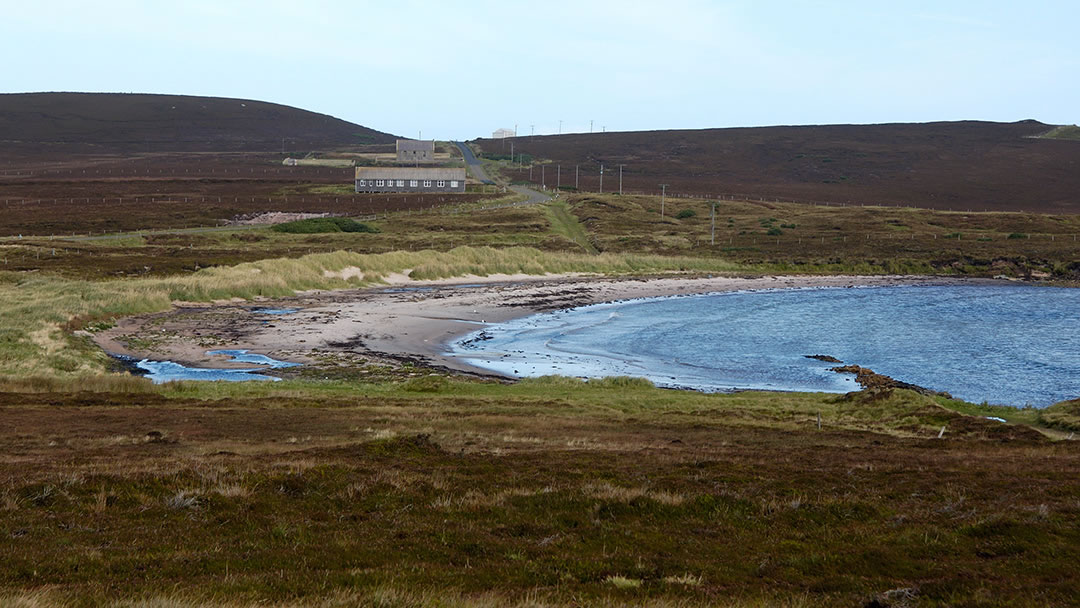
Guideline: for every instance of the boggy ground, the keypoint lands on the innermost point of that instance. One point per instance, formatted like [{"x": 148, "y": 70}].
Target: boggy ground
[{"x": 547, "y": 492}]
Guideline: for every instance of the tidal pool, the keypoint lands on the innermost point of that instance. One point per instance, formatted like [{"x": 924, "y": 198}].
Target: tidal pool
[
  {"x": 1009, "y": 344},
  {"x": 168, "y": 371}
]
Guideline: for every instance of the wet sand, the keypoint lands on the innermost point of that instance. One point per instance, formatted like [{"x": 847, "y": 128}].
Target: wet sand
[{"x": 409, "y": 320}]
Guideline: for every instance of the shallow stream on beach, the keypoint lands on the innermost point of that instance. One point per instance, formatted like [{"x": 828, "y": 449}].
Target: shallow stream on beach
[
  {"x": 170, "y": 371},
  {"x": 1008, "y": 344}
]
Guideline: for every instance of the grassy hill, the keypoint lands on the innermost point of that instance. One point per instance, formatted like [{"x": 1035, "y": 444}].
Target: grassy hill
[
  {"x": 1063, "y": 132},
  {"x": 117, "y": 122},
  {"x": 944, "y": 165}
]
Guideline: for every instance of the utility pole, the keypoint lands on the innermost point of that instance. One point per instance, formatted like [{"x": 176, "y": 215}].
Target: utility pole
[
  {"x": 713, "y": 242},
  {"x": 532, "y": 130},
  {"x": 576, "y": 176},
  {"x": 590, "y": 125},
  {"x": 515, "y": 129},
  {"x": 511, "y": 152},
  {"x": 663, "y": 196},
  {"x": 543, "y": 180},
  {"x": 558, "y": 177},
  {"x": 283, "y": 146},
  {"x": 560, "y": 127},
  {"x": 620, "y": 179},
  {"x": 601, "y": 178}
]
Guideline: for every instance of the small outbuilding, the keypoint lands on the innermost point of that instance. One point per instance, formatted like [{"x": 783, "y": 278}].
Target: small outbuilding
[
  {"x": 415, "y": 151},
  {"x": 410, "y": 179}
]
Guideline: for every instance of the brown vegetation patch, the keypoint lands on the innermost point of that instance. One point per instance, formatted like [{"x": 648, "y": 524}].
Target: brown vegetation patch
[
  {"x": 956, "y": 166},
  {"x": 275, "y": 498}
]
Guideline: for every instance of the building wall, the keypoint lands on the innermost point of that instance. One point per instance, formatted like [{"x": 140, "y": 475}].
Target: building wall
[
  {"x": 415, "y": 151},
  {"x": 415, "y": 156},
  {"x": 372, "y": 185}
]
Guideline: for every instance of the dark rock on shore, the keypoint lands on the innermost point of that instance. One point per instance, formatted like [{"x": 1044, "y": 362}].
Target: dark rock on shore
[{"x": 876, "y": 383}]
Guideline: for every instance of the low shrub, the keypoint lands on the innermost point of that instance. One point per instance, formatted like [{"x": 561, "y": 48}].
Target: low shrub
[
  {"x": 685, "y": 213},
  {"x": 622, "y": 382},
  {"x": 1018, "y": 235},
  {"x": 425, "y": 384},
  {"x": 319, "y": 225}
]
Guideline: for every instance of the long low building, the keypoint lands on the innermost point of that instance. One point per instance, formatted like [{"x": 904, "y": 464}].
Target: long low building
[{"x": 410, "y": 179}]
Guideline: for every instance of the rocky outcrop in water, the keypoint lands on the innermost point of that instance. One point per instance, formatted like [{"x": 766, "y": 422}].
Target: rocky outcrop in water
[
  {"x": 876, "y": 383},
  {"x": 825, "y": 358}
]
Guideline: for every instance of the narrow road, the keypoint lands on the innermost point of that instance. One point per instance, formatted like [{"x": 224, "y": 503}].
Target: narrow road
[
  {"x": 477, "y": 170},
  {"x": 475, "y": 167},
  {"x": 535, "y": 196}
]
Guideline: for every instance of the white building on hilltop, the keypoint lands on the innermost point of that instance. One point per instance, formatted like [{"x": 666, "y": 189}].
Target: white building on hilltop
[{"x": 503, "y": 133}]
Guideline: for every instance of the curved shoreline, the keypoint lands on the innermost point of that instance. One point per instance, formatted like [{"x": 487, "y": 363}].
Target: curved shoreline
[{"x": 414, "y": 321}]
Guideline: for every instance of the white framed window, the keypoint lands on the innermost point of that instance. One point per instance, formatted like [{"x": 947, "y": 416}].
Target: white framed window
[
  {"x": 413, "y": 183},
  {"x": 400, "y": 183},
  {"x": 442, "y": 184},
  {"x": 453, "y": 183},
  {"x": 363, "y": 183},
  {"x": 427, "y": 183},
  {"x": 379, "y": 183}
]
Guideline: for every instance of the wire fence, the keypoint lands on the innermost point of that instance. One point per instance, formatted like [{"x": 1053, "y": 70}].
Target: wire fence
[
  {"x": 187, "y": 171},
  {"x": 405, "y": 206}
]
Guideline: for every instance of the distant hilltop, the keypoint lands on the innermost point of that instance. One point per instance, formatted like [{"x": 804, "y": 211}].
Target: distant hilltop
[
  {"x": 961, "y": 166},
  {"x": 143, "y": 122}
]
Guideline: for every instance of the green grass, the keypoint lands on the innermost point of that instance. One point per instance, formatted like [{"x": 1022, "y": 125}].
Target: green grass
[
  {"x": 1063, "y": 132},
  {"x": 320, "y": 225},
  {"x": 564, "y": 223}
]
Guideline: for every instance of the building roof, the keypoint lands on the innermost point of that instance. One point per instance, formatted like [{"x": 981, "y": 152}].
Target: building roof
[
  {"x": 443, "y": 173},
  {"x": 410, "y": 145}
]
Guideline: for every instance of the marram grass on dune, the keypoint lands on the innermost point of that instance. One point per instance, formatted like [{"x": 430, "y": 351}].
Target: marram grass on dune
[{"x": 36, "y": 310}]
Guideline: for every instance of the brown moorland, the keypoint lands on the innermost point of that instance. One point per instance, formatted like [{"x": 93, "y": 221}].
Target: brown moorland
[
  {"x": 960, "y": 166},
  {"x": 551, "y": 492},
  {"x": 127, "y": 123}
]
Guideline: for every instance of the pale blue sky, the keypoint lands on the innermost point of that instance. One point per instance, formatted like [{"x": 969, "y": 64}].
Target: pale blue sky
[{"x": 463, "y": 69}]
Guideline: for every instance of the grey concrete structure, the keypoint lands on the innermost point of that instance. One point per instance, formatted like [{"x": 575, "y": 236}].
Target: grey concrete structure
[
  {"x": 410, "y": 179},
  {"x": 415, "y": 151}
]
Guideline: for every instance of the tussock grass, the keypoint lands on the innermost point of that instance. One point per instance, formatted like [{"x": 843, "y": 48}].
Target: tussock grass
[
  {"x": 386, "y": 495},
  {"x": 614, "y": 493},
  {"x": 37, "y": 309},
  {"x": 623, "y": 582},
  {"x": 388, "y": 596},
  {"x": 107, "y": 383}
]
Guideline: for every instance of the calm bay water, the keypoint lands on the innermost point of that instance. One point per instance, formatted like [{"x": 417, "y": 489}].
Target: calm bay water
[{"x": 1012, "y": 345}]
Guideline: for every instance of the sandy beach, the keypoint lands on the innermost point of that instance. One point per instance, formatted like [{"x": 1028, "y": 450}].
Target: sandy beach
[{"x": 407, "y": 320}]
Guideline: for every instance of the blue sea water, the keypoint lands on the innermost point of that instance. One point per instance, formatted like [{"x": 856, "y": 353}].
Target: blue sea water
[
  {"x": 1011, "y": 344},
  {"x": 169, "y": 371}
]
